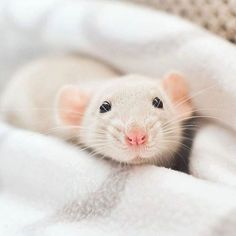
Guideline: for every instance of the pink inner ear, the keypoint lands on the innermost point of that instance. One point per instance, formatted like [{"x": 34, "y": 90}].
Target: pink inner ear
[
  {"x": 72, "y": 103},
  {"x": 177, "y": 89}
]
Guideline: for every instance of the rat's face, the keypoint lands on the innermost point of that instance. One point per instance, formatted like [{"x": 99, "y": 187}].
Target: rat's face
[{"x": 133, "y": 120}]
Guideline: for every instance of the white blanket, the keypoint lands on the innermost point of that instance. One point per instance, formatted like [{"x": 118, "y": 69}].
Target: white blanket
[{"x": 51, "y": 188}]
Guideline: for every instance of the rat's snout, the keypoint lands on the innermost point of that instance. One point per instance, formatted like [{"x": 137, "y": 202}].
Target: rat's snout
[{"x": 136, "y": 137}]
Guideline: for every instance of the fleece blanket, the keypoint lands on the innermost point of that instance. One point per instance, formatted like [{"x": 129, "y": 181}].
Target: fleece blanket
[{"x": 48, "y": 187}]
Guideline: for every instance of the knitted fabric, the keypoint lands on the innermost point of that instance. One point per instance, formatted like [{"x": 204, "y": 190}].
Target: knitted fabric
[{"x": 218, "y": 16}]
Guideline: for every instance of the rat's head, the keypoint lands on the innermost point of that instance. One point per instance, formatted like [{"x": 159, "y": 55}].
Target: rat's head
[{"x": 133, "y": 119}]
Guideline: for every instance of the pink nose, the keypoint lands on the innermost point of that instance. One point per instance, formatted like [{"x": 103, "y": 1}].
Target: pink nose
[{"x": 136, "y": 138}]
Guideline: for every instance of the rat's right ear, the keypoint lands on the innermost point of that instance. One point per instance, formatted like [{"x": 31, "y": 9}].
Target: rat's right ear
[{"x": 71, "y": 104}]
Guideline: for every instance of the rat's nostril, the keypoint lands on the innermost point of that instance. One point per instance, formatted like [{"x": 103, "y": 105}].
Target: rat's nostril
[
  {"x": 141, "y": 139},
  {"x": 130, "y": 140}
]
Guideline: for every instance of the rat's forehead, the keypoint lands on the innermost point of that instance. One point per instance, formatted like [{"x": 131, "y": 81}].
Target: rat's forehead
[{"x": 128, "y": 89}]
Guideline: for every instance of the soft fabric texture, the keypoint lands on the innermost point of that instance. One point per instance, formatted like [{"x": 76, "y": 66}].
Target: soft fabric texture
[
  {"x": 52, "y": 188},
  {"x": 48, "y": 187}
]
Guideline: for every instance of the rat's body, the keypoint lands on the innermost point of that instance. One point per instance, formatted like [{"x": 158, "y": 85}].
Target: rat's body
[
  {"x": 29, "y": 98},
  {"x": 132, "y": 119}
]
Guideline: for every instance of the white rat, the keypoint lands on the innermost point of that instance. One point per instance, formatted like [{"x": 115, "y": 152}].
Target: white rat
[{"x": 130, "y": 119}]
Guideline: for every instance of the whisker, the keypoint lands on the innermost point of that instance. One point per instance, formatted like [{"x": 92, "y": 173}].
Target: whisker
[
  {"x": 195, "y": 94},
  {"x": 173, "y": 130},
  {"x": 192, "y": 117},
  {"x": 173, "y": 141}
]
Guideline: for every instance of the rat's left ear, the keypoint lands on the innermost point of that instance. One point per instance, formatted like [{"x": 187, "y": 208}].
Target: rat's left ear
[
  {"x": 177, "y": 89},
  {"x": 71, "y": 104}
]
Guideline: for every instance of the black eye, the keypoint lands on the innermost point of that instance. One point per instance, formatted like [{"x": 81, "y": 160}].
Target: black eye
[
  {"x": 105, "y": 107},
  {"x": 156, "y": 102}
]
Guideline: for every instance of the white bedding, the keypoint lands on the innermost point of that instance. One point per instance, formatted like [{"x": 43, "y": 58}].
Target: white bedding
[{"x": 51, "y": 188}]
